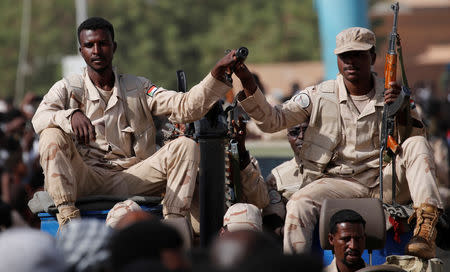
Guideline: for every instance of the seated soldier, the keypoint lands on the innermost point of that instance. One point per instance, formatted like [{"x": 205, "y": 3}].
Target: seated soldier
[
  {"x": 342, "y": 144},
  {"x": 97, "y": 135},
  {"x": 286, "y": 177},
  {"x": 348, "y": 240},
  {"x": 284, "y": 180}
]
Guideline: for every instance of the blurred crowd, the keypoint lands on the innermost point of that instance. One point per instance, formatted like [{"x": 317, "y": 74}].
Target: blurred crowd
[
  {"x": 143, "y": 242},
  {"x": 20, "y": 170},
  {"x": 435, "y": 112},
  {"x": 135, "y": 240}
]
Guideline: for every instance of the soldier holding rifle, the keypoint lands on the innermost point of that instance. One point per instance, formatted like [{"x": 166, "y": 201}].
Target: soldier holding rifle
[{"x": 340, "y": 153}]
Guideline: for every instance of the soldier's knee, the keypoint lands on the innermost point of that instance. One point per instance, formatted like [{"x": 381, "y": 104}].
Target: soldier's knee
[
  {"x": 52, "y": 139},
  {"x": 186, "y": 147},
  {"x": 416, "y": 145},
  {"x": 296, "y": 201}
]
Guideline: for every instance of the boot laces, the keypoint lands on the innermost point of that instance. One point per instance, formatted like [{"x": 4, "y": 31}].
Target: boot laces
[
  {"x": 67, "y": 218},
  {"x": 425, "y": 224}
]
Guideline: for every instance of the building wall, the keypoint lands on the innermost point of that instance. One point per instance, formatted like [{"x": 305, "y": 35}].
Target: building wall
[{"x": 421, "y": 29}]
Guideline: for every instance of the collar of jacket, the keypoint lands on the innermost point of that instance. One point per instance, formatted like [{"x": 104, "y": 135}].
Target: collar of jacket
[
  {"x": 92, "y": 91},
  {"x": 379, "y": 90}
]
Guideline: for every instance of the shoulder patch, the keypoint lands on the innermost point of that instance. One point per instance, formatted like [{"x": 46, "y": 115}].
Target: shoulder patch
[
  {"x": 152, "y": 90},
  {"x": 302, "y": 99}
]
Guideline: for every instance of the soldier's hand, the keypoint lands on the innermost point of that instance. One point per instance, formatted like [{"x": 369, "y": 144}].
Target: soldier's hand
[
  {"x": 82, "y": 127},
  {"x": 391, "y": 94},
  {"x": 247, "y": 79},
  {"x": 224, "y": 65}
]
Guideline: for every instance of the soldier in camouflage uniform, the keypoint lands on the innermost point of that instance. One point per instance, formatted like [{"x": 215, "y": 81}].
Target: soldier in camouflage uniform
[
  {"x": 341, "y": 147},
  {"x": 97, "y": 135}
]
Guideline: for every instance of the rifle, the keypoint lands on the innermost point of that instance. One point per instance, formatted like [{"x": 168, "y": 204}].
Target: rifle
[{"x": 389, "y": 147}]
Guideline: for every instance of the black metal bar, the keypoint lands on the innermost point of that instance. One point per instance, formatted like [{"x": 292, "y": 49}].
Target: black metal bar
[{"x": 210, "y": 133}]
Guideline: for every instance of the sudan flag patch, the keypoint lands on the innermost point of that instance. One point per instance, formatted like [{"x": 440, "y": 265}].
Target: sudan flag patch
[{"x": 152, "y": 91}]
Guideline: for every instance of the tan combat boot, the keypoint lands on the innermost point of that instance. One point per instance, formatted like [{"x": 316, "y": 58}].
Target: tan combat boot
[
  {"x": 66, "y": 213},
  {"x": 422, "y": 244}
]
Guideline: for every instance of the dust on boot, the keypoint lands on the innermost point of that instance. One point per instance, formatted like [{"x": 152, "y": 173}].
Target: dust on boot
[{"x": 423, "y": 244}]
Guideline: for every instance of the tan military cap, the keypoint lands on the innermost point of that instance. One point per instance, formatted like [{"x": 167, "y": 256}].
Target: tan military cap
[
  {"x": 354, "y": 39},
  {"x": 243, "y": 216}
]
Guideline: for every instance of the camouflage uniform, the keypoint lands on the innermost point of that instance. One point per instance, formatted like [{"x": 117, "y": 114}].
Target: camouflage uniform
[
  {"x": 123, "y": 159},
  {"x": 340, "y": 154}
]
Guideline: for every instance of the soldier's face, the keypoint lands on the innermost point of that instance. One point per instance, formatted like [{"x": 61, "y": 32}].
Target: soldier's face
[
  {"x": 348, "y": 243},
  {"x": 295, "y": 137},
  {"x": 97, "y": 49},
  {"x": 354, "y": 66}
]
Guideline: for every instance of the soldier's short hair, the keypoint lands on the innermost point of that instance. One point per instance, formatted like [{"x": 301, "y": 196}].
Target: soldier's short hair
[
  {"x": 345, "y": 215},
  {"x": 95, "y": 23}
]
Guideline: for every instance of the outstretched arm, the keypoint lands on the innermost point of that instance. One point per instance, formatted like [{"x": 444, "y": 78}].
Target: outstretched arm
[
  {"x": 191, "y": 106},
  {"x": 268, "y": 118}
]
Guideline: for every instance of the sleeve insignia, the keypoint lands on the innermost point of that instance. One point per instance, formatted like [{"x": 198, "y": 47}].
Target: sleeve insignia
[
  {"x": 302, "y": 99},
  {"x": 152, "y": 90}
]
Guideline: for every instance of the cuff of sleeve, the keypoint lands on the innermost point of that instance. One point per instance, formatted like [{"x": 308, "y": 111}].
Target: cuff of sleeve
[
  {"x": 64, "y": 118},
  {"x": 217, "y": 86},
  {"x": 249, "y": 170},
  {"x": 252, "y": 104}
]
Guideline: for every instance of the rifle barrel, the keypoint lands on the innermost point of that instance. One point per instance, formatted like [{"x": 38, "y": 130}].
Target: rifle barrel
[{"x": 393, "y": 38}]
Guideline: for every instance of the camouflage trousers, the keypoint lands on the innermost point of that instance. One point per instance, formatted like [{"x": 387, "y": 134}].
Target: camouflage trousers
[
  {"x": 415, "y": 171},
  {"x": 171, "y": 172}
]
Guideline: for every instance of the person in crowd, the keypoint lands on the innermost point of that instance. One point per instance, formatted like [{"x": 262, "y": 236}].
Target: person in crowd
[
  {"x": 340, "y": 153},
  {"x": 5, "y": 216},
  {"x": 97, "y": 136},
  {"x": 235, "y": 248},
  {"x": 10, "y": 218},
  {"x": 27, "y": 249},
  {"x": 281, "y": 262},
  {"x": 148, "y": 240},
  {"x": 20, "y": 172},
  {"x": 12, "y": 125},
  {"x": 348, "y": 239},
  {"x": 84, "y": 245}
]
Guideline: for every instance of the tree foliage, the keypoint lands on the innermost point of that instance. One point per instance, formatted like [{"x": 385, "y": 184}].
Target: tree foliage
[{"x": 156, "y": 37}]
